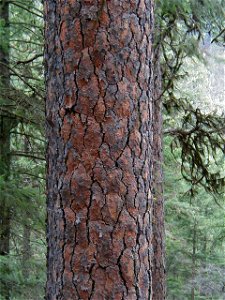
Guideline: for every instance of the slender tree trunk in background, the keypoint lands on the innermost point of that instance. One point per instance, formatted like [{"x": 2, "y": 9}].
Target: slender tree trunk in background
[
  {"x": 99, "y": 157},
  {"x": 26, "y": 251},
  {"x": 194, "y": 244},
  {"x": 26, "y": 245},
  {"x": 26, "y": 230},
  {"x": 5, "y": 127},
  {"x": 158, "y": 262}
]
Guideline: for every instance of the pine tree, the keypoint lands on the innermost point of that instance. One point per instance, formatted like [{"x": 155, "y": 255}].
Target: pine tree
[
  {"x": 99, "y": 115},
  {"x": 5, "y": 127},
  {"x": 21, "y": 170}
]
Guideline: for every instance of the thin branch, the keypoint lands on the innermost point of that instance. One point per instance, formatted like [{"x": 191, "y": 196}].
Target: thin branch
[
  {"x": 27, "y": 42},
  {"x": 29, "y": 60},
  {"x": 18, "y": 117},
  {"x": 26, "y": 24},
  {"x": 25, "y": 8},
  {"x": 22, "y": 79},
  {"x": 179, "y": 131},
  {"x": 24, "y": 154},
  {"x": 33, "y": 175},
  {"x": 216, "y": 38}
]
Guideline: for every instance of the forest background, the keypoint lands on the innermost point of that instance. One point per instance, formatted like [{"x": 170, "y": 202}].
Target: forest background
[{"x": 189, "y": 36}]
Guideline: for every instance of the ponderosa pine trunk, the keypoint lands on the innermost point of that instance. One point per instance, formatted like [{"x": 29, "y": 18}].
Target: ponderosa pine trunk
[{"x": 99, "y": 113}]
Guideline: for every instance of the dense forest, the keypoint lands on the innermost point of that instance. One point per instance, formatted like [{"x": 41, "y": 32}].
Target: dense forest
[{"x": 187, "y": 118}]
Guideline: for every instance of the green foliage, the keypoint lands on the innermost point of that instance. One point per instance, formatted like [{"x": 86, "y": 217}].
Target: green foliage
[
  {"x": 182, "y": 30},
  {"x": 195, "y": 236},
  {"x": 22, "y": 271},
  {"x": 194, "y": 148},
  {"x": 24, "y": 283}
]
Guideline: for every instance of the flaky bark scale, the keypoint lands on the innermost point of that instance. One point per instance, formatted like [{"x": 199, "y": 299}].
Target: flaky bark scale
[{"x": 99, "y": 128}]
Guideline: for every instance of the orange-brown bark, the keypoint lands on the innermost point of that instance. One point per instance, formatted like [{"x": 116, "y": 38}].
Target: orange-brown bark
[{"x": 99, "y": 127}]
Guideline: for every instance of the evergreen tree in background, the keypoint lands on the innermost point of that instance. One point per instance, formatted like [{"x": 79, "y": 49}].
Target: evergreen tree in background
[
  {"x": 194, "y": 236},
  {"x": 197, "y": 141},
  {"x": 6, "y": 126},
  {"x": 22, "y": 202}
]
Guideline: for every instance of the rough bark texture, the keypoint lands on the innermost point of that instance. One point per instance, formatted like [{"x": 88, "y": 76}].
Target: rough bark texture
[
  {"x": 99, "y": 128},
  {"x": 158, "y": 261}
]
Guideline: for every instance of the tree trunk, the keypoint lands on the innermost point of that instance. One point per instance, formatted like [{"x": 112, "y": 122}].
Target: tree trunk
[
  {"x": 99, "y": 157},
  {"x": 194, "y": 248},
  {"x": 26, "y": 251},
  {"x": 26, "y": 245},
  {"x": 158, "y": 262},
  {"x": 5, "y": 127}
]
